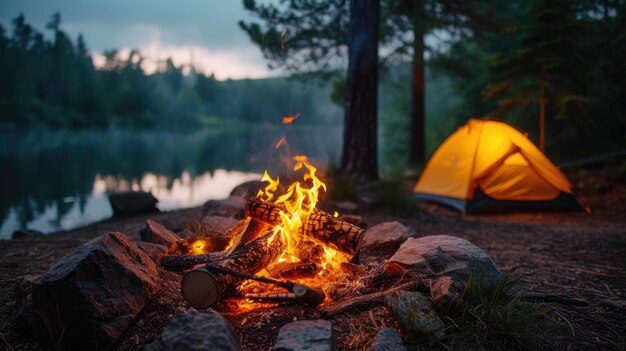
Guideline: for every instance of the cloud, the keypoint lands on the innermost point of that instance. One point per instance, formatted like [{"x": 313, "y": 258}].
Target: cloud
[
  {"x": 205, "y": 30},
  {"x": 234, "y": 63}
]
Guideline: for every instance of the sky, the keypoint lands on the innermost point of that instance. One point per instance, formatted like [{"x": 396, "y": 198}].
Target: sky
[{"x": 204, "y": 32}]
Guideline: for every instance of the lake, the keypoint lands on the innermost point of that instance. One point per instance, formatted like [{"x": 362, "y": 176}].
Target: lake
[{"x": 54, "y": 180}]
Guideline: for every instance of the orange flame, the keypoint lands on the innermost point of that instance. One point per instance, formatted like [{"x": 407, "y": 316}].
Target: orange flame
[{"x": 300, "y": 200}]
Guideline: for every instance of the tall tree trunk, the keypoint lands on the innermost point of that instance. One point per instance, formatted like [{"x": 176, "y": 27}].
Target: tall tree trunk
[
  {"x": 417, "y": 152},
  {"x": 360, "y": 156},
  {"x": 542, "y": 112}
]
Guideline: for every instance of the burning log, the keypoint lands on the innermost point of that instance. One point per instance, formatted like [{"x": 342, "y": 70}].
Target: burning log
[
  {"x": 331, "y": 231},
  {"x": 273, "y": 298},
  {"x": 287, "y": 270},
  {"x": 203, "y": 288},
  {"x": 253, "y": 229}
]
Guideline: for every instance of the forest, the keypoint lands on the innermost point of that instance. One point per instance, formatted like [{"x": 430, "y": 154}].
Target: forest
[{"x": 483, "y": 60}]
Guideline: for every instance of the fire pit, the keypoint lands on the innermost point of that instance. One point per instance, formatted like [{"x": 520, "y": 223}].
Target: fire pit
[
  {"x": 286, "y": 269},
  {"x": 286, "y": 250}
]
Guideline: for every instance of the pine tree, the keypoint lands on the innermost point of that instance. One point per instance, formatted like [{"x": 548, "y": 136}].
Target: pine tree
[{"x": 545, "y": 69}]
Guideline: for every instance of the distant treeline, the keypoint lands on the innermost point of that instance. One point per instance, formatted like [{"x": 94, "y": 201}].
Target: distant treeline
[{"x": 52, "y": 82}]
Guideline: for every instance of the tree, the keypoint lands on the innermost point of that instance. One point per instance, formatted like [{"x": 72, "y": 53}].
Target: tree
[
  {"x": 407, "y": 23},
  {"x": 315, "y": 35},
  {"x": 544, "y": 69},
  {"x": 317, "y": 32},
  {"x": 359, "y": 156}
]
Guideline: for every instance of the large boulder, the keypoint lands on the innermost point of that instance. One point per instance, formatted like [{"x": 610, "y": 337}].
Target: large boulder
[
  {"x": 306, "y": 335},
  {"x": 444, "y": 263},
  {"x": 206, "y": 331},
  {"x": 381, "y": 241},
  {"x": 132, "y": 202},
  {"x": 234, "y": 206},
  {"x": 387, "y": 339},
  {"x": 155, "y": 233},
  {"x": 89, "y": 298}
]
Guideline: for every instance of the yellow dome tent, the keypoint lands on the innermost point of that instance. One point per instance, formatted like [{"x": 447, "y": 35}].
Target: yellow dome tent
[{"x": 489, "y": 165}]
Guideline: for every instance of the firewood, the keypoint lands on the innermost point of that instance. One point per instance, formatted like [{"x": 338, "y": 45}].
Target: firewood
[
  {"x": 306, "y": 295},
  {"x": 202, "y": 288},
  {"x": 244, "y": 232},
  {"x": 289, "y": 270},
  {"x": 331, "y": 231},
  {"x": 184, "y": 262},
  {"x": 273, "y": 298},
  {"x": 371, "y": 299}
]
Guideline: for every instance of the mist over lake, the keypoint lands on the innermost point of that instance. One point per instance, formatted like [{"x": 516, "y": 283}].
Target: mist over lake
[{"x": 58, "y": 179}]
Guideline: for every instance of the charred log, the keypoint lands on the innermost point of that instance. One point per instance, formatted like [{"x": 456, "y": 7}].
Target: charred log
[
  {"x": 331, "y": 231},
  {"x": 244, "y": 232},
  {"x": 295, "y": 270},
  {"x": 202, "y": 288}
]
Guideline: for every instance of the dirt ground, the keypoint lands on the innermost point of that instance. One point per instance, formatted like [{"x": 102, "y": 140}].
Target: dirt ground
[{"x": 571, "y": 254}]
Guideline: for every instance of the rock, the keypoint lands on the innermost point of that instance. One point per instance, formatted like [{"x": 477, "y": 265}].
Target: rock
[
  {"x": 218, "y": 226},
  {"x": 413, "y": 313},
  {"x": 234, "y": 206},
  {"x": 132, "y": 202},
  {"x": 444, "y": 263},
  {"x": 248, "y": 189},
  {"x": 26, "y": 233},
  {"x": 387, "y": 339},
  {"x": 154, "y": 251},
  {"x": 340, "y": 206},
  {"x": 381, "y": 241},
  {"x": 354, "y": 219},
  {"x": 92, "y": 295},
  {"x": 197, "y": 331},
  {"x": 316, "y": 335},
  {"x": 155, "y": 233}
]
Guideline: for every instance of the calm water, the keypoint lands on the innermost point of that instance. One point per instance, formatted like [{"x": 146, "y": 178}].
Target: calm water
[{"x": 53, "y": 180}]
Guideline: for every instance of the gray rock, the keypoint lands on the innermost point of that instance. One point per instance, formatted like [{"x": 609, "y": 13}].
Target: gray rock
[
  {"x": 444, "y": 263},
  {"x": 153, "y": 232},
  {"x": 234, "y": 206},
  {"x": 26, "y": 233},
  {"x": 387, "y": 339},
  {"x": 381, "y": 241},
  {"x": 341, "y": 206},
  {"x": 354, "y": 219},
  {"x": 316, "y": 335},
  {"x": 132, "y": 202},
  {"x": 195, "y": 331},
  {"x": 413, "y": 313},
  {"x": 218, "y": 226},
  {"x": 92, "y": 295},
  {"x": 248, "y": 189}
]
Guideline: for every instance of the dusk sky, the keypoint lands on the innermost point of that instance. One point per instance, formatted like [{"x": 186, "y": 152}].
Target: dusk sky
[{"x": 205, "y": 30}]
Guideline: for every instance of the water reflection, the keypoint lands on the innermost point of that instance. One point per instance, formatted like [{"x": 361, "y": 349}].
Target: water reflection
[{"x": 53, "y": 180}]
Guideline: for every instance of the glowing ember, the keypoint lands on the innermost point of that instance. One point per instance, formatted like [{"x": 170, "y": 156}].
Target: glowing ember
[
  {"x": 282, "y": 39},
  {"x": 199, "y": 247},
  {"x": 280, "y": 142},
  {"x": 290, "y": 119}
]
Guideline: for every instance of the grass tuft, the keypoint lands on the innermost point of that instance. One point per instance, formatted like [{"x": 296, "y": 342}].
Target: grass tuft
[{"x": 498, "y": 312}]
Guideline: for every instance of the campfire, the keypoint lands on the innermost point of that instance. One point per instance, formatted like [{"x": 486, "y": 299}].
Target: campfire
[{"x": 285, "y": 251}]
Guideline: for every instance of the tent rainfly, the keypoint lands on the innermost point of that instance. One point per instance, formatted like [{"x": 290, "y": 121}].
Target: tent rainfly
[{"x": 488, "y": 165}]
